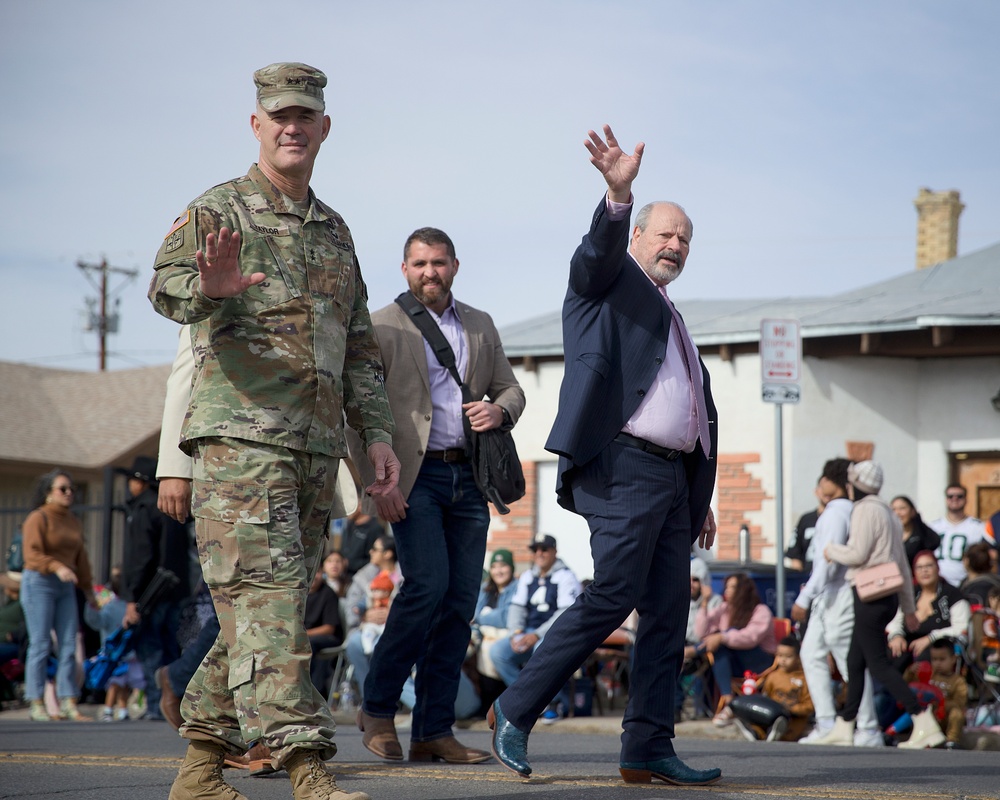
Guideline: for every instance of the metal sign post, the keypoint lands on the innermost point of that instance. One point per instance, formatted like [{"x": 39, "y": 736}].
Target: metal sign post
[{"x": 780, "y": 368}]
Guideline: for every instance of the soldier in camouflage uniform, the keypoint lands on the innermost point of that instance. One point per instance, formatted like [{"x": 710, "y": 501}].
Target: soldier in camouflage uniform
[{"x": 283, "y": 345}]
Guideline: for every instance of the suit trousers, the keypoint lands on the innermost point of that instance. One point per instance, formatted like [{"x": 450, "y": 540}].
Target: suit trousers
[{"x": 636, "y": 505}]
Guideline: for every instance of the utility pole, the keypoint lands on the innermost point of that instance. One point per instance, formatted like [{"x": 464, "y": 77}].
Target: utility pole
[{"x": 100, "y": 320}]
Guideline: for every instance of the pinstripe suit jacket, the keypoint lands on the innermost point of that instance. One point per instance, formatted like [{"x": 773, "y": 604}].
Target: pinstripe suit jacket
[{"x": 615, "y": 331}]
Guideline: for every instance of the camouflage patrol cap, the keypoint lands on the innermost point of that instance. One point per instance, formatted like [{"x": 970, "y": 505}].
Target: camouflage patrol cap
[{"x": 290, "y": 84}]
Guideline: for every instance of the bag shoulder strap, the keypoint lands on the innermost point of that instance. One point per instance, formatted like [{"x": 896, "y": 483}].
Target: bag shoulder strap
[{"x": 435, "y": 338}]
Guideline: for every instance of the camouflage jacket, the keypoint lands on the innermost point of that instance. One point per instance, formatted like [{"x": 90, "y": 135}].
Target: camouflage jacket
[{"x": 282, "y": 362}]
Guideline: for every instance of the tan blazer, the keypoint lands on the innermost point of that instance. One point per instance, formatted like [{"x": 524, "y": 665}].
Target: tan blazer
[{"x": 488, "y": 375}]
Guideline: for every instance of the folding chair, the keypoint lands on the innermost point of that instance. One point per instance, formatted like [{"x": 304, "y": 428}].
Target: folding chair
[
  {"x": 608, "y": 666},
  {"x": 341, "y": 667}
]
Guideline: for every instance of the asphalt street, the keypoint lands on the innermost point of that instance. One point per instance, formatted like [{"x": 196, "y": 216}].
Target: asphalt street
[{"x": 572, "y": 759}]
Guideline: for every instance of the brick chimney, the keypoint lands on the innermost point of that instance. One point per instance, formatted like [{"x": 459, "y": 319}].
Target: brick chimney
[{"x": 937, "y": 226}]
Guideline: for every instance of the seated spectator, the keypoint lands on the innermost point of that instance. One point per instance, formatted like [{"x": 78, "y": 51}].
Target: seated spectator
[
  {"x": 361, "y": 532},
  {"x": 702, "y": 596},
  {"x": 542, "y": 594},
  {"x": 370, "y": 612},
  {"x": 740, "y": 635},
  {"x": 335, "y": 573},
  {"x": 917, "y": 534},
  {"x": 981, "y": 578},
  {"x": 785, "y": 684},
  {"x": 107, "y": 619},
  {"x": 990, "y": 644},
  {"x": 381, "y": 556},
  {"x": 13, "y": 629},
  {"x": 946, "y": 677},
  {"x": 942, "y": 611},
  {"x": 489, "y": 623},
  {"x": 323, "y": 627},
  {"x": 380, "y": 593}
]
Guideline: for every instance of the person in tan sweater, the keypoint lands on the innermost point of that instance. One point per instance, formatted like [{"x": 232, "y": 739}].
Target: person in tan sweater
[{"x": 55, "y": 563}]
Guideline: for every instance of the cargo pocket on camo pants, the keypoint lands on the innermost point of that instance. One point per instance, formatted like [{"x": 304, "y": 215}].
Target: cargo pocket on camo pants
[{"x": 231, "y": 522}]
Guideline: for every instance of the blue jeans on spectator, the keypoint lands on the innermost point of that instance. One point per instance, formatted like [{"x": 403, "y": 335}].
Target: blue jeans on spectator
[
  {"x": 49, "y": 605},
  {"x": 156, "y": 645},
  {"x": 730, "y": 662},
  {"x": 360, "y": 660},
  {"x": 508, "y": 663},
  {"x": 441, "y": 546},
  {"x": 179, "y": 672}
]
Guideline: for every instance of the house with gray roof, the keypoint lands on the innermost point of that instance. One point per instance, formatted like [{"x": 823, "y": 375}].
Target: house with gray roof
[{"x": 92, "y": 424}]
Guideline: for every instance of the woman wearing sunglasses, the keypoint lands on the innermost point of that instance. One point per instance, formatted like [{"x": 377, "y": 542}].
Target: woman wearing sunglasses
[{"x": 55, "y": 563}]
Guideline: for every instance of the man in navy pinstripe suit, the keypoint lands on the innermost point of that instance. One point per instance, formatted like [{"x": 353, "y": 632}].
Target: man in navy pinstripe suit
[{"x": 636, "y": 438}]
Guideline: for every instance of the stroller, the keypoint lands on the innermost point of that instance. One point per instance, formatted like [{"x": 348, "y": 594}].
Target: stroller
[
  {"x": 980, "y": 644},
  {"x": 110, "y": 660}
]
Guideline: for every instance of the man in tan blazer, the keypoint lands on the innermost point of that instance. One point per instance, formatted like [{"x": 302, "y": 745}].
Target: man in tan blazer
[{"x": 439, "y": 516}]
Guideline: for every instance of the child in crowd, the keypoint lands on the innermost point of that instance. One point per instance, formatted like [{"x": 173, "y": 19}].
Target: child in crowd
[
  {"x": 380, "y": 592},
  {"x": 946, "y": 677},
  {"x": 783, "y": 706},
  {"x": 991, "y": 637},
  {"x": 107, "y": 619}
]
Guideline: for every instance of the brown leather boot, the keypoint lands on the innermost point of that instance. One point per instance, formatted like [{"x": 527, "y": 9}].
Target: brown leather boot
[
  {"x": 259, "y": 760},
  {"x": 170, "y": 703},
  {"x": 312, "y": 781},
  {"x": 448, "y": 749},
  {"x": 380, "y": 736},
  {"x": 200, "y": 775}
]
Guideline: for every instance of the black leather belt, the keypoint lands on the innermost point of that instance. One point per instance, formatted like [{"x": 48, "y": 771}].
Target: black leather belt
[
  {"x": 448, "y": 456},
  {"x": 647, "y": 447}
]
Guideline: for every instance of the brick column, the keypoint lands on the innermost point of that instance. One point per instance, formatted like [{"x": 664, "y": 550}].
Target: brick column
[{"x": 740, "y": 494}]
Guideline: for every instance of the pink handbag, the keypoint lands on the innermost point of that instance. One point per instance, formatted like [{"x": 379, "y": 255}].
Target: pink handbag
[{"x": 877, "y": 582}]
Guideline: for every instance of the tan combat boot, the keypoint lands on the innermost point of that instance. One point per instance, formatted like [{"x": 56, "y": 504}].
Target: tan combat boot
[
  {"x": 311, "y": 781},
  {"x": 200, "y": 776}
]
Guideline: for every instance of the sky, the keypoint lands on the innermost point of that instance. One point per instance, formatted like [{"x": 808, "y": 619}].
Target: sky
[{"x": 796, "y": 135}]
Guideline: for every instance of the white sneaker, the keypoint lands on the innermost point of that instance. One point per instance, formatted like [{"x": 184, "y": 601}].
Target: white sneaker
[
  {"x": 817, "y": 732},
  {"x": 724, "y": 718},
  {"x": 870, "y": 738},
  {"x": 748, "y": 733},
  {"x": 777, "y": 729}
]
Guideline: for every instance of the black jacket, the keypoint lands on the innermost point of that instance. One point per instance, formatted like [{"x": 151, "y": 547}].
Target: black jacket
[{"x": 152, "y": 539}]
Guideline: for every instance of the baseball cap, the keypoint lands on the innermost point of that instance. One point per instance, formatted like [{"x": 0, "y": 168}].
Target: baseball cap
[
  {"x": 543, "y": 540},
  {"x": 290, "y": 84}
]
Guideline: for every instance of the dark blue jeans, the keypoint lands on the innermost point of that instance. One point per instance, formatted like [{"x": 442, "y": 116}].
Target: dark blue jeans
[
  {"x": 179, "y": 672},
  {"x": 156, "y": 646},
  {"x": 730, "y": 662},
  {"x": 441, "y": 547}
]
